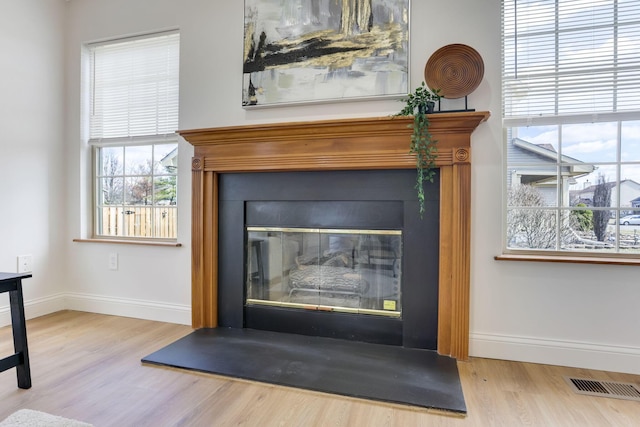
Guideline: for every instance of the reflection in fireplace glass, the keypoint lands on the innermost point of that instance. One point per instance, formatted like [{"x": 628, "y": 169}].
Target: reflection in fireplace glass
[{"x": 356, "y": 271}]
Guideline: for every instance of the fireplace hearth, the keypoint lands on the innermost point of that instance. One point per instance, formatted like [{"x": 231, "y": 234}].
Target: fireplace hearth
[{"x": 336, "y": 145}]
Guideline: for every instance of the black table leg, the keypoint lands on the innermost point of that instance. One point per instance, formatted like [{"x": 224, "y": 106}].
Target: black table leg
[{"x": 19, "y": 325}]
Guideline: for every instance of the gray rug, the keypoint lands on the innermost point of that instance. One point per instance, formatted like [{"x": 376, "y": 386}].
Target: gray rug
[{"x": 31, "y": 418}]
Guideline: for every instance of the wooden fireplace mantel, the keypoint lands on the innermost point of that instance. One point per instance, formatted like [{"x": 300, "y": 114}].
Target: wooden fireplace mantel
[{"x": 347, "y": 144}]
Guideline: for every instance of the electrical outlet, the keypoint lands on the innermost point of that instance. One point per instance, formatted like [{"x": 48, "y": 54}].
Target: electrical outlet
[
  {"x": 25, "y": 264},
  {"x": 113, "y": 261}
]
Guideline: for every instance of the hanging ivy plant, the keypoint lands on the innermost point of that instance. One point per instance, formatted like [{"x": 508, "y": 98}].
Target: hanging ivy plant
[{"x": 418, "y": 104}]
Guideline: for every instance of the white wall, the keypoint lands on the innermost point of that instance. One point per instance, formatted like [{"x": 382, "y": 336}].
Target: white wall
[
  {"x": 33, "y": 189},
  {"x": 568, "y": 314},
  {"x": 151, "y": 282}
]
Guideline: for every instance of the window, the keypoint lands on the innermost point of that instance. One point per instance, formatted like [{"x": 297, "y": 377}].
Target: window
[
  {"x": 133, "y": 119},
  {"x": 571, "y": 112}
]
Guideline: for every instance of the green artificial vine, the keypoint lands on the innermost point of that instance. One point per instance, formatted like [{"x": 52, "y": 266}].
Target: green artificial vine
[{"x": 418, "y": 104}]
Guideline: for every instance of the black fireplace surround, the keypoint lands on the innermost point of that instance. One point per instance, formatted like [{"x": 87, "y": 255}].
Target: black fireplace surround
[{"x": 364, "y": 199}]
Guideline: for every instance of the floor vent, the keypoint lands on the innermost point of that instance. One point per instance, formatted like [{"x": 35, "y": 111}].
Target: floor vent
[{"x": 612, "y": 389}]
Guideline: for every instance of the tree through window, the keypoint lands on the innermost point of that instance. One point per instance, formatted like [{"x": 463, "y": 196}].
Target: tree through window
[{"x": 137, "y": 187}]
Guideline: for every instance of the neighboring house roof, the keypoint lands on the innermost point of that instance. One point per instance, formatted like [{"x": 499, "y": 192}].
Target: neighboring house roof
[
  {"x": 171, "y": 159},
  {"x": 586, "y": 194},
  {"x": 547, "y": 146},
  {"x": 590, "y": 189},
  {"x": 539, "y": 162},
  {"x": 611, "y": 185},
  {"x": 549, "y": 152}
]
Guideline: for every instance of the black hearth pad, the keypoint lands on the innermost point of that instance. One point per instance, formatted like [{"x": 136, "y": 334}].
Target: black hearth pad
[{"x": 370, "y": 371}]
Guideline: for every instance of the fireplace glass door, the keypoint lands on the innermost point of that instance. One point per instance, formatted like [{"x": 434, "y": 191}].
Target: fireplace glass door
[{"x": 351, "y": 271}]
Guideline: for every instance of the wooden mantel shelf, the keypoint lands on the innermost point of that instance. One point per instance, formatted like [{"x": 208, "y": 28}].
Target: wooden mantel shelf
[
  {"x": 378, "y": 143},
  {"x": 345, "y": 144}
]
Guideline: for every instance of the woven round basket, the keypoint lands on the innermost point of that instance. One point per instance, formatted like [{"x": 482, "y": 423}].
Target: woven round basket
[{"x": 455, "y": 69}]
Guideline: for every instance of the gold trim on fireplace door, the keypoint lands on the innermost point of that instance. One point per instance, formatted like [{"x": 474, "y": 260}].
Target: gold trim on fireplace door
[
  {"x": 347, "y": 144},
  {"x": 325, "y": 231},
  {"x": 321, "y": 307}
]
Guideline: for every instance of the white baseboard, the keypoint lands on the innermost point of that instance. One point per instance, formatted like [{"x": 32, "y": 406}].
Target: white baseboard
[
  {"x": 555, "y": 352},
  {"x": 35, "y": 308},
  {"x": 139, "y": 309}
]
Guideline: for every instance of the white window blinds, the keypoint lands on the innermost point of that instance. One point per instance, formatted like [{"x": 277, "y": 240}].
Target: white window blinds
[
  {"x": 134, "y": 87},
  {"x": 570, "y": 58}
]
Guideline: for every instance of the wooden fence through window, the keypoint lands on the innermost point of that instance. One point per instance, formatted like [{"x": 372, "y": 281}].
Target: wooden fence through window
[{"x": 140, "y": 221}]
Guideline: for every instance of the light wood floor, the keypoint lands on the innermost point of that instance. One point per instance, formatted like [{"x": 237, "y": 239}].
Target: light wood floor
[{"x": 87, "y": 366}]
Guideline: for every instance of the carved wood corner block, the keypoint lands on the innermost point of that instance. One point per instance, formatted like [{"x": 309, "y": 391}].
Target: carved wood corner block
[
  {"x": 462, "y": 155},
  {"x": 196, "y": 163}
]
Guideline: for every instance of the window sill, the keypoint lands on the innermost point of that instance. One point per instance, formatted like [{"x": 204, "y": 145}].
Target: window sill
[
  {"x": 568, "y": 259},
  {"x": 130, "y": 242}
]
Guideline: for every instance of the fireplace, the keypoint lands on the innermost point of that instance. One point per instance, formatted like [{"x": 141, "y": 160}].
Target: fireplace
[
  {"x": 339, "y": 145},
  {"x": 340, "y": 254}
]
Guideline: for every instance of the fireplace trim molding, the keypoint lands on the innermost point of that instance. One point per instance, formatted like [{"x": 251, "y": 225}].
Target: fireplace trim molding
[{"x": 344, "y": 144}]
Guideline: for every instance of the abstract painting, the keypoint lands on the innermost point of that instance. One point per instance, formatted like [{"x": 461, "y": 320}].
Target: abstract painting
[{"x": 298, "y": 51}]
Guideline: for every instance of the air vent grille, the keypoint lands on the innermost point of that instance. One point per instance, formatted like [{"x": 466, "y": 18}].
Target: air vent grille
[{"x": 612, "y": 389}]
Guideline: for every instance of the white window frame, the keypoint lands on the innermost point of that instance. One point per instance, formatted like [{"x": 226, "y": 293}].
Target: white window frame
[
  {"x": 618, "y": 108},
  {"x": 152, "y": 125}
]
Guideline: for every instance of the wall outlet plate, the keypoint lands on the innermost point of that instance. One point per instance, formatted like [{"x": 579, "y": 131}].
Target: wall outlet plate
[
  {"x": 113, "y": 261},
  {"x": 25, "y": 263}
]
